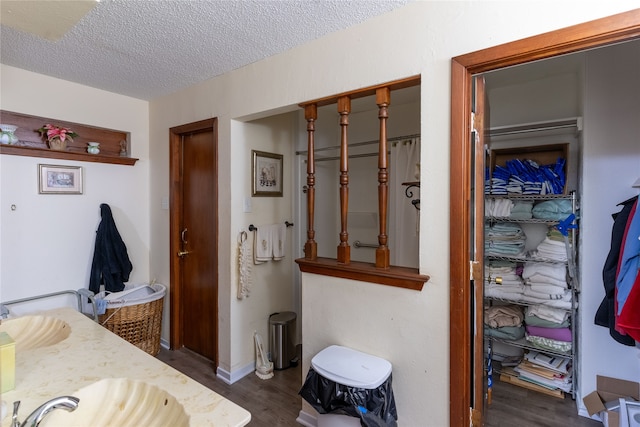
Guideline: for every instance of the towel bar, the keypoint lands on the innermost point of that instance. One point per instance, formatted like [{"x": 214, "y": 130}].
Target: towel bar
[
  {"x": 359, "y": 244},
  {"x": 254, "y": 228}
]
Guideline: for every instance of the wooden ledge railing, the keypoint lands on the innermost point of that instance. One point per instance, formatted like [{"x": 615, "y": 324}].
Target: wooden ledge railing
[
  {"x": 400, "y": 277},
  {"x": 381, "y": 272}
]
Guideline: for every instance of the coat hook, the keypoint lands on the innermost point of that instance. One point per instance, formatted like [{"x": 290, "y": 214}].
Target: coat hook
[
  {"x": 252, "y": 227},
  {"x": 288, "y": 224}
]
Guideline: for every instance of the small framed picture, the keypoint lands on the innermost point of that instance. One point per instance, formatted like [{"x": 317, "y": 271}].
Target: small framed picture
[
  {"x": 266, "y": 174},
  {"x": 54, "y": 179}
]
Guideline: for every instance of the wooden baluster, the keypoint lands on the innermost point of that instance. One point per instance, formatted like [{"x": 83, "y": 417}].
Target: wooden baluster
[
  {"x": 311, "y": 247},
  {"x": 383, "y": 99},
  {"x": 344, "y": 250}
]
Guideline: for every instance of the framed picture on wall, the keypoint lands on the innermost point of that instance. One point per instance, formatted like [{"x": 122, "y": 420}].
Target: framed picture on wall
[
  {"x": 266, "y": 174},
  {"x": 54, "y": 179}
]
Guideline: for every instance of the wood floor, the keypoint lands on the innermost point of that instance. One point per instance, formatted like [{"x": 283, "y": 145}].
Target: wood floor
[
  {"x": 275, "y": 402},
  {"x": 532, "y": 409}
]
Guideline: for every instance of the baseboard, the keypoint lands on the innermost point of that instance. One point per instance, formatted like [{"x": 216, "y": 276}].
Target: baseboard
[
  {"x": 232, "y": 377},
  {"x": 306, "y": 419},
  {"x": 164, "y": 344}
]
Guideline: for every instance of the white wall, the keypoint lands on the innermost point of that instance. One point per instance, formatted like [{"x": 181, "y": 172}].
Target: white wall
[
  {"x": 271, "y": 282},
  {"x": 611, "y": 162},
  {"x": 47, "y": 242},
  {"x": 408, "y": 328}
]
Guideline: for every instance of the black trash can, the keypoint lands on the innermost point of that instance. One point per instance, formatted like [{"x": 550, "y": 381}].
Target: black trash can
[
  {"x": 282, "y": 339},
  {"x": 349, "y": 388}
]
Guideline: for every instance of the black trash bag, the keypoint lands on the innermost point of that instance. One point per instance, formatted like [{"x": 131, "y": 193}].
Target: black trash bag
[{"x": 375, "y": 407}]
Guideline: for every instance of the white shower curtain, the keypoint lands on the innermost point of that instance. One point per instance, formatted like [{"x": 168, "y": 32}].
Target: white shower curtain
[{"x": 404, "y": 230}]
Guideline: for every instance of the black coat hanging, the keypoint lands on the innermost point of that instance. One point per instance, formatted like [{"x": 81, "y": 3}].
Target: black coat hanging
[{"x": 111, "y": 265}]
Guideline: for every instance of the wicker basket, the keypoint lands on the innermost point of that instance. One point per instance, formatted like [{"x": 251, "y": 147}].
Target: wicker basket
[{"x": 137, "y": 321}]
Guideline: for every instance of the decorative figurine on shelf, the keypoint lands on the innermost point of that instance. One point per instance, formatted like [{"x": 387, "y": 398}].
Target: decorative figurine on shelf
[
  {"x": 93, "y": 148},
  {"x": 7, "y": 135},
  {"x": 57, "y": 136},
  {"x": 123, "y": 148}
]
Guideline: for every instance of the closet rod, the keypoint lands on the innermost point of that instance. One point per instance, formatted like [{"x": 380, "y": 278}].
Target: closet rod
[
  {"x": 537, "y": 127},
  {"x": 335, "y": 147}
]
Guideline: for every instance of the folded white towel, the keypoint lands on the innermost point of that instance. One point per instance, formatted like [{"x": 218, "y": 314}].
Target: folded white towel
[
  {"x": 547, "y": 313},
  {"x": 262, "y": 244},
  {"x": 556, "y": 271},
  {"x": 279, "y": 240},
  {"x": 539, "y": 279}
]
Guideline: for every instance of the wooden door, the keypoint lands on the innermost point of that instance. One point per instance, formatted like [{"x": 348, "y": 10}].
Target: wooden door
[
  {"x": 194, "y": 237},
  {"x": 601, "y": 32}
]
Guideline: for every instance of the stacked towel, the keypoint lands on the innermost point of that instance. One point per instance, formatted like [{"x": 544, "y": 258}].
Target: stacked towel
[
  {"x": 564, "y": 302},
  {"x": 549, "y": 344},
  {"x": 551, "y": 249},
  {"x": 527, "y": 177},
  {"x": 522, "y": 209},
  {"x": 553, "y": 210},
  {"x": 549, "y": 314},
  {"x": 545, "y": 280},
  {"x": 504, "y": 321},
  {"x": 558, "y": 334},
  {"x": 498, "y": 208},
  {"x": 504, "y": 239},
  {"x": 502, "y": 281},
  {"x": 498, "y": 316}
]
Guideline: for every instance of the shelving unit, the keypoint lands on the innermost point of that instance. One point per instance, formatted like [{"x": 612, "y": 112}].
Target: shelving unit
[
  {"x": 32, "y": 144},
  {"x": 572, "y": 284}
]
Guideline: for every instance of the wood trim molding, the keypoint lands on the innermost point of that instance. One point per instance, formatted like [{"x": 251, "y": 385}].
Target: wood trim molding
[
  {"x": 367, "y": 91},
  {"x": 601, "y": 32},
  {"x": 400, "y": 277}
]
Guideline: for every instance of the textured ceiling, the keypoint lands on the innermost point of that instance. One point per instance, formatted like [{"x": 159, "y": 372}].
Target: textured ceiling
[{"x": 146, "y": 49}]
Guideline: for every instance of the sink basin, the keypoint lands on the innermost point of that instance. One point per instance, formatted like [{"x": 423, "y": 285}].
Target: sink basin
[
  {"x": 35, "y": 331},
  {"x": 121, "y": 402}
]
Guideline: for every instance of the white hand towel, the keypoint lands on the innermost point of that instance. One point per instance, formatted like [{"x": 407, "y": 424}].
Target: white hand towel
[
  {"x": 279, "y": 240},
  {"x": 262, "y": 244}
]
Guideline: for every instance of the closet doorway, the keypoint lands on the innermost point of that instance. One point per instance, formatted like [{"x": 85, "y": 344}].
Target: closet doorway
[{"x": 466, "y": 341}]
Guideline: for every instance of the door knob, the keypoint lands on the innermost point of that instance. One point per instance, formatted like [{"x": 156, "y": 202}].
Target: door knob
[{"x": 183, "y": 253}]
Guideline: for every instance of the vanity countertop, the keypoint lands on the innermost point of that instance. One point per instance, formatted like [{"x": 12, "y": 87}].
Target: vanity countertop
[{"x": 92, "y": 353}]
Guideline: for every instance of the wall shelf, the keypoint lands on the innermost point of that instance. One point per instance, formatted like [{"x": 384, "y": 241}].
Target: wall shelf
[{"x": 32, "y": 144}]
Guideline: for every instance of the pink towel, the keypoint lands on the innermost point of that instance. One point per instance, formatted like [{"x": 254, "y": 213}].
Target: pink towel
[{"x": 558, "y": 334}]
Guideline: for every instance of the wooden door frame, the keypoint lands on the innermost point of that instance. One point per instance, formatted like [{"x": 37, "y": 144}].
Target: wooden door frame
[
  {"x": 613, "y": 29},
  {"x": 176, "y": 219}
]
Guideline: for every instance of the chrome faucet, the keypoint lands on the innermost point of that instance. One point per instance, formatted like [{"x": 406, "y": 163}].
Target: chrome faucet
[{"x": 68, "y": 403}]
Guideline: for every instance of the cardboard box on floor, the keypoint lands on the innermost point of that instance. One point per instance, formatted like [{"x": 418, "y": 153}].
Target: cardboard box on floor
[{"x": 609, "y": 390}]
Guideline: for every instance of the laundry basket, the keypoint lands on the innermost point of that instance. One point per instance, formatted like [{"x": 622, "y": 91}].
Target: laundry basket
[{"x": 135, "y": 314}]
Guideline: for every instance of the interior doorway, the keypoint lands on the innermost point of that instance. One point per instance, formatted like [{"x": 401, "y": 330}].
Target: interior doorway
[
  {"x": 466, "y": 408},
  {"x": 194, "y": 238}
]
